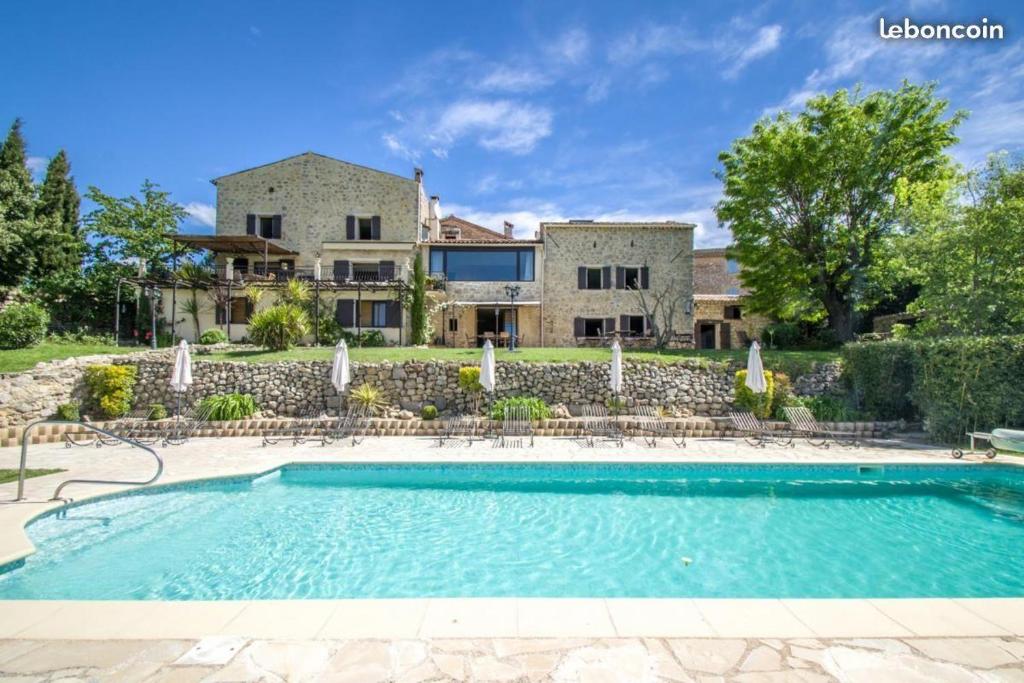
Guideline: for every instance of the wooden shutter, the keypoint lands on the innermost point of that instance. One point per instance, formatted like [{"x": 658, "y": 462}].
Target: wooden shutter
[
  {"x": 725, "y": 336},
  {"x": 345, "y": 312},
  {"x": 275, "y": 227},
  {"x": 620, "y": 277},
  {"x": 249, "y": 310},
  {"x": 606, "y": 277},
  {"x": 250, "y": 224},
  {"x": 393, "y": 314},
  {"x": 386, "y": 271},
  {"x": 624, "y": 323},
  {"x": 645, "y": 278},
  {"x": 350, "y": 227},
  {"x": 340, "y": 271},
  {"x": 609, "y": 325},
  {"x": 577, "y": 327},
  {"x": 581, "y": 282},
  {"x": 375, "y": 228}
]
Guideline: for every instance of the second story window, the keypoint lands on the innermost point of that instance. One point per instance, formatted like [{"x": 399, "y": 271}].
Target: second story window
[
  {"x": 481, "y": 264},
  {"x": 362, "y": 227},
  {"x": 366, "y": 228},
  {"x": 267, "y": 227},
  {"x": 593, "y": 278},
  {"x": 731, "y": 266}
]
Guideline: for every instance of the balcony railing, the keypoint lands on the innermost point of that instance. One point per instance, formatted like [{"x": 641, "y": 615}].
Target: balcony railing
[{"x": 358, "y": 273}]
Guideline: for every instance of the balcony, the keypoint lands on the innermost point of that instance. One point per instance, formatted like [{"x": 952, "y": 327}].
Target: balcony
[{"x": 370, "y": 274}]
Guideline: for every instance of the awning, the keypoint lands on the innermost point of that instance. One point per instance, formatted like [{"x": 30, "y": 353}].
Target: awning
[
  {"x": 233, "y": 244},
  {"x": 493, "y": 303}
]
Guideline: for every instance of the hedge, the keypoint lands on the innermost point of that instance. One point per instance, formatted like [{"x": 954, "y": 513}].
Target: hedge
[{"x": 955, "y": 384}]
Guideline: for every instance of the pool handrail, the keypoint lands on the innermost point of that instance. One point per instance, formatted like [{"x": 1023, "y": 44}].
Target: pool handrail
[{"x": 26, "y": 440}]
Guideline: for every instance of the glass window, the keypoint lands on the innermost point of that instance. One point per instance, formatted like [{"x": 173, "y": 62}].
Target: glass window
[
  {"x": 366, "y": 228},
  {"x": 267, "y": 227},
  {"x": 437, "y": 261},
  {"x": 593, "y": 279},
  {"x": 483, "y": 265},
  {"x": 593, "y": 327},
  {"x": 632, "y": 277},
  {"x": 635, "y": 325},
  {"x": 526, "y": 264},
  {"x": 731, "y": 266},
  {"x": 380, "y": 314}
]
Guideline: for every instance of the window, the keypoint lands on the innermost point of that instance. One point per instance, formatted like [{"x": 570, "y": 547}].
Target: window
[
  {"x": 634, "y": 325},
  {"x": 733, "y": 313},
  {"x": 593, "y": 327},
  {"x": 424, "y": 233},
  {"x": 267, "y": 227},
  {"x": 453, "y": 324},
  {"x": 731, "y": 266},
  {"x": 482, "y": 265},
  {"x": 733, "y": 291},
  {"x": 380, "y": 314},
  {"x": 364, "y": 227},
  {"x": 593, "y": 279},
  {"x": 631, "y": 276}
]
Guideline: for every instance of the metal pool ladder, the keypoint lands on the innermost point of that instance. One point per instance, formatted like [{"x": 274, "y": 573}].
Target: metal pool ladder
[{"x": 25, "y": 440}]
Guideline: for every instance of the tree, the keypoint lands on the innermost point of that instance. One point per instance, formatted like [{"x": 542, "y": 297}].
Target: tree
[
  {"x": 136, "y": 227},
  {"x": 417, "y": 302},
  {"x": 17, "y": 198},
  {"x": 966, "y": 250},
  {"x": 58, "y": 246},
  {"x": 811, "y": 202},
  {"x": 659, "y": 308}
]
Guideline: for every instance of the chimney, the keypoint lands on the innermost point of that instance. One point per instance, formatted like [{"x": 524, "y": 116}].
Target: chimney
[
  {"x": 434, "y": 217},
  {"x": 508, "y": 229},
  {"x": 417, "y": 174}
]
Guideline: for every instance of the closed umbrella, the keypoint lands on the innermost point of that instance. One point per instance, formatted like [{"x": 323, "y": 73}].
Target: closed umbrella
[
  {"x": 340, "y": 375},
  {"x": 615, "y": 375},
  {"x": 487, "y": 367},
  {"x": 755, "y": 370},
  {"x": 181, "y": 377}
]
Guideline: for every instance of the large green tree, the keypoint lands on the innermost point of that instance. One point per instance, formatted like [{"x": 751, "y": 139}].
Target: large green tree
[
  {"x": 966, "y": 250},
  {"x": 17, "y": 204},
  {"x": 135, "y": 227},
  {"x": 810, "y": 199},
  {"x": 57, "y": 245}
]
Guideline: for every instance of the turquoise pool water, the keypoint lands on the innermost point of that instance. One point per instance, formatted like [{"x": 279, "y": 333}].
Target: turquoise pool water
[{"x": 543, "y": 530}]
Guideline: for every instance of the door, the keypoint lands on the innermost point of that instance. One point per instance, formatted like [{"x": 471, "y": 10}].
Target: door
[{"x": 706, "y": 336}]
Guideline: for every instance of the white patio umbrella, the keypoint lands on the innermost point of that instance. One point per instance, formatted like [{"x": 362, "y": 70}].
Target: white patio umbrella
[
  {"x": 340, "y": 375},
  {"x": 755, "y": 370},
  {"x": 615, "y": 375},
  {"x": 487, "y": 367},
  {"x": 181, "y": 377}
]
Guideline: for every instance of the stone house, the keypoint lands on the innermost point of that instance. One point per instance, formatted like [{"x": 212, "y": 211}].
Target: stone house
[
  {"x": 353, "y": 232},
  {"x": 721, "y": 320}
]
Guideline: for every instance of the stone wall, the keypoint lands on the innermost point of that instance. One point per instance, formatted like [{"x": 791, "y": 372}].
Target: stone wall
[
  {"x": 711, "y": 273},
  {"x": 823, "y": 379}
]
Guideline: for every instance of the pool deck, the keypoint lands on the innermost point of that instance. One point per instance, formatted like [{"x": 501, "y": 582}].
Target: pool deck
[{"x": 484, "y": 638}]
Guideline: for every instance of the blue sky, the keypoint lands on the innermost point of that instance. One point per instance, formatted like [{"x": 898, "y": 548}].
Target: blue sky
[{"x": 519, "y": 111}]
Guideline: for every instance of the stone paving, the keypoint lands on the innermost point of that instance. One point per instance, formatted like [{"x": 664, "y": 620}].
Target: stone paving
[{"x": 633, "y": 660}]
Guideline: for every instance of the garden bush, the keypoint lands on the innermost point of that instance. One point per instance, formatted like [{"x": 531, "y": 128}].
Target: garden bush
[
  {"x": 111, "y": 387},
  {"x": 428, "y": 412},
  {"x": 759, "y": 404},
  {"x": 368, "y": 396},
  {"x": 539, "y": 410},
  {"x": 22, "y": 325},
  {"x": 68, "y": 412},
  {"x": 213, "y": 336},
  {"x": 81, "y": 337},
  {"x": 157, "y": 411},
  {"x": 782, "y": 335},
  {"x": 880, "y": 377},
  {"x": 279, "y": 327},
  {"x": 228, "y": 406},
  {"x": 469, "y": 379}
]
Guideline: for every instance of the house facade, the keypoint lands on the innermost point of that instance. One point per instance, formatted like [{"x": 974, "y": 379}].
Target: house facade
[
  {"x": 353, "y": 233},
  {"x": 721, "y": 318}
]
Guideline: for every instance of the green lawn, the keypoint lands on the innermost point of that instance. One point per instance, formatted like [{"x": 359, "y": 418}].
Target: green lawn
[
  {"x": 7, "y": 476},
  {"x": 23, "y": 359},
  {"x": 785, "y": 359}
]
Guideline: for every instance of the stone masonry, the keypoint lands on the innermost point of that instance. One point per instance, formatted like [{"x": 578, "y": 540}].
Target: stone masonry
[{"x": 665, "y": 248}]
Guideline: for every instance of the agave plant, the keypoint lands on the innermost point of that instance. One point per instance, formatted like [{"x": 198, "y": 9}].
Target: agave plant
[
  {"x": 367, "y": 396},
  {"x": 279, "y": 327}
]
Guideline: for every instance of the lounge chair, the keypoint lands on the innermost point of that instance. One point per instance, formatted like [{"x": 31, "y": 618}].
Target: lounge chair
[
  {"x": 185, "y": 426},
  {"x": 516, "y": 426},
  {"x": 598, "y": 425},
  {"x": 135, "y": 426},
  {"x": 757, "y": 433},
  {"x": 353, "y": 425},
  {"x": 651, "y": 426},
  {"x": 308, "y": 425},
  {"x": 458, "y": 427},
  {"x": 803, "y": 423}
]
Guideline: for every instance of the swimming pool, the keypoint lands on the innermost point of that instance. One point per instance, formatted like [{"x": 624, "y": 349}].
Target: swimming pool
[{"x": 551, "y": 530}]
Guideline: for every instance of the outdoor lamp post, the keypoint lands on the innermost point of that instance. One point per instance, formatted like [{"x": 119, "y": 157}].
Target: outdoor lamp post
[
  {"x": 513, "y": 291},
  {"x": 151, "y": 292}
]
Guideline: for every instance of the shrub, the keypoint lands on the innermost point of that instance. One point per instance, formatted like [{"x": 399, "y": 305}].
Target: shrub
[
  {"x": 759, "y": 404},
  {"x": 428, "y": 412},
  {"x": 81, "y": 337},
  {"x": 111, "y": 387},
  {"x": 829, "y": 408},
  {"x": 365, "y": 338},
  {"x": 228, "y": 406},
  {"x": 539, "y": 410},
  {"x": 469, "y": 379},
  {"x": 280, "y": 327},
  {"x": 368, "y": 396},
  {"x": 213, "y": 336},
  {"x": 22, "y": 325},
  {"x": 782, "y": 335},
  {"x": 880, "y": 377},
  {"x": 68, "y": 412},
  {"x": 783, "y": 395},
  {"x": 157, "y": 411}
]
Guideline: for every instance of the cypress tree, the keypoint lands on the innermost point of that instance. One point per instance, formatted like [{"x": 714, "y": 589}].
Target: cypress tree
[
  {"x": 58, "y": 197},
  {"x": 57, "y": 245},
  {"x": 17, "y": 206}
]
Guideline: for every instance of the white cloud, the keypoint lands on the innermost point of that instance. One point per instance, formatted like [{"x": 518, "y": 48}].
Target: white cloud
[
  {"x": 497, "y": 125},
  {"x": 766, "y": 42},
  {"x": 398, "y": 148},
  {"x": 572, "y": 46},
  {"x": 492, "y": 182},
  {"x": 255, "y": 32},
  {"x": 598, "y": 89},
  {"x": 204, "y": 214},
  {"x": 652, "y": 40},
  {"x": 510, "y": 79},
  {"x": 526, "y": 220},
  {"x": 36, "y": 164}
]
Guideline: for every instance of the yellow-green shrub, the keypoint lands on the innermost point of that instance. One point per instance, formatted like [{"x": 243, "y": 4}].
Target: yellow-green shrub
[
  {"x": 759, "y": 404},
  {"x": 111, "y": 387}
]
